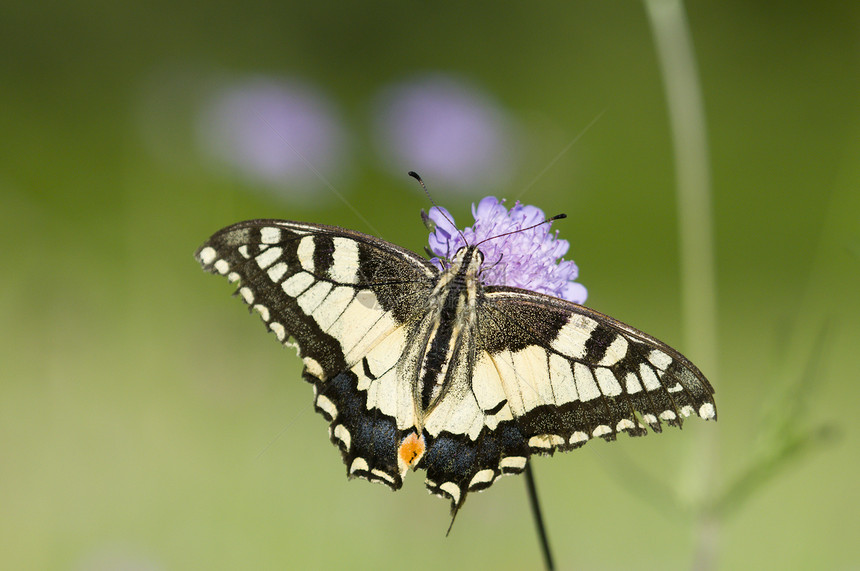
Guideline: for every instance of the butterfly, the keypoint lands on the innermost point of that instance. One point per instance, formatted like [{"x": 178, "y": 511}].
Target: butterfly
[{"x": 417, "y": 367}]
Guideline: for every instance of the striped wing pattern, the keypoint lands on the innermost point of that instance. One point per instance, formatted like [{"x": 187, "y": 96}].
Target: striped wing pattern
[{"x": 535, "y": 374}]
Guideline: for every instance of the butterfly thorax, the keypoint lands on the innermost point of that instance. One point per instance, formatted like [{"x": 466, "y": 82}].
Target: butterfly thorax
[{"x": 444, "y": 337}]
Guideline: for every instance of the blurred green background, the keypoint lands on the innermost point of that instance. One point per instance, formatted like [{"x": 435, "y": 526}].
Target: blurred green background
[{"x": 146, "y": 422}]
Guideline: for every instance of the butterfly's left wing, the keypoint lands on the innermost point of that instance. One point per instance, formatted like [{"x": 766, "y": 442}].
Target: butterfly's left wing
[
  {"x": 551, "y": 375},
  {"x": 346, "y": 301}
]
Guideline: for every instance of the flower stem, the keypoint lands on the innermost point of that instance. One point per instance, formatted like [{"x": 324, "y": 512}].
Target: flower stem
[
  {"x": 698, "y": 285},
  {"x": 535, "y": 504}
]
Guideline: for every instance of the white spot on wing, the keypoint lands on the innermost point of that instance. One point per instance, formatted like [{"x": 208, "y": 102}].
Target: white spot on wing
[
  {"x": 631, "y": 383},
  {"x": 344, "y": 266},
  {"x": 545, "y": 441},
  {"x": 263, "y": 311},
  {"x": 530, "y": 370},
  {"x": 659, "y": 359},
  {"x": 608, "y": 383},
  {"x": 505, "y": 367},
  {"x": 233, "y": 277},
  {"x": 486, "y": 383},
  {"x": 383, "y": 475},
  {"x": 314, "y": 368},
  {"x": 668, "y": 415},
  {"x": 208, "y": 255},
  {"x": 222, "y": 267},
  {"x": 386, "y": 393},
  {"x": 601, "y": 430},
  {"x": 277, "y": 271},
  {"x": 707, "y": 411},
  {"x": 624, "y": 424},
  {"x": 452, "y": 489},
  {"x": 342, "y": 434},
  {"x": 247, "y": 295},
  {"x": 561, "y": 379},
  {"x": 279, "y": 330},
  {"x": 306, "y": 253},
  {"x": 359, "y": 464},
  {"x": 359, "y": 326},
  {"x": 268, "y": 257},
  {"x": 615, "y": 352},
  {"x": 270, "y": 235},
  {"x": 324, "y": 403},
  {"x": 513, "y": 463},
  {"x": 585, "y": 385},
  {"x": 571, "y": 338},
  {"x": 314, "y": 296},
  {"x": 650, "y": 380},
  {"x": 334, "y": 305},
  {"x": 482, "y": 477},
  {"x": 578, "y": 437},
  {"x": 297, "y": 283}
]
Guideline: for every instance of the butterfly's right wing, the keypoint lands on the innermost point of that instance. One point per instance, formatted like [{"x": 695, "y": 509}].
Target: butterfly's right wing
[
  {"x": 347, "y": 300},
  {"x": 572, "y": 373},
  {"x": 551, "y": 375}
]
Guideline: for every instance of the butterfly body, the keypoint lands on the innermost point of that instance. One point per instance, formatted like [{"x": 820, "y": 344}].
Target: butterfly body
[{"x": 420, "y": 368}]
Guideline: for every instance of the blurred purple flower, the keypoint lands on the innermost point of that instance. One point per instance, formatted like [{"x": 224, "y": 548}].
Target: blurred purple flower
[
  {"x": 441, "y": 125},
  {"x": 529, "y": 259},
  {"x": 274, "y": 132}
]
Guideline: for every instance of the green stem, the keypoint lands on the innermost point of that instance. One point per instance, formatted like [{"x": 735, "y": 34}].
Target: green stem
[{"x": 698, "y": 278}]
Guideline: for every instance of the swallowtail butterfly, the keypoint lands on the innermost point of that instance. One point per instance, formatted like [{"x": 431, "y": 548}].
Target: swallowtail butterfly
[{"x": 417, "y": 367}]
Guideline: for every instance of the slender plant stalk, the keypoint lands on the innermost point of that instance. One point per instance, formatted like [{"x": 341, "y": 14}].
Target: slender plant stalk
[
  {"x": 535, "y": 504},
  {"x": 698, "y": 285}
]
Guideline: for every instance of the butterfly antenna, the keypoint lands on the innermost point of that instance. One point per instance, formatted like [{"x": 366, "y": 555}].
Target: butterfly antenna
[
  {"x": 547, "y": 221},
  {"x": 417, "y": 177}
]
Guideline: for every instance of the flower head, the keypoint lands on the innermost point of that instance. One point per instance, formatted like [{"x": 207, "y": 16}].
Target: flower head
[
  {"x": 268, "y": 130},
  {"x": 528, "y": 259},
  {"x": 446, "y": 125}
]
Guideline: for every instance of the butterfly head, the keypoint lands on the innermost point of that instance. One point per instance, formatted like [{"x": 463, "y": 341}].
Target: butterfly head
[
  {"x": 468, "y": 257},
  {"x": 463, "y": 274}
]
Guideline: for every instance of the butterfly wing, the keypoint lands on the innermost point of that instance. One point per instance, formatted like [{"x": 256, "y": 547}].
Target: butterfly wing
[
  {"x": 346, "y": 301},
  {"x": 549, "y": 375},
  {"x": 589, "y": 375}
]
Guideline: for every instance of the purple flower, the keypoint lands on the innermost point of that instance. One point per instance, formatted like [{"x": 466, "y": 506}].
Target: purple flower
[
  {"x": 275, "y": 133},
  {"x": 445, "y": 125},
  {"x": 527, "y": 259}
]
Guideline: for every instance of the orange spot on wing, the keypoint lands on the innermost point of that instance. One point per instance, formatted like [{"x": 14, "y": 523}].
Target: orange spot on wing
[{"x": 411, "y": 449}]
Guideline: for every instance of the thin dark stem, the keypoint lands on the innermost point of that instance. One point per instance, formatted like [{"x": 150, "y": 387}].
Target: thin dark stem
[{"x": 535, "y": 503}]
